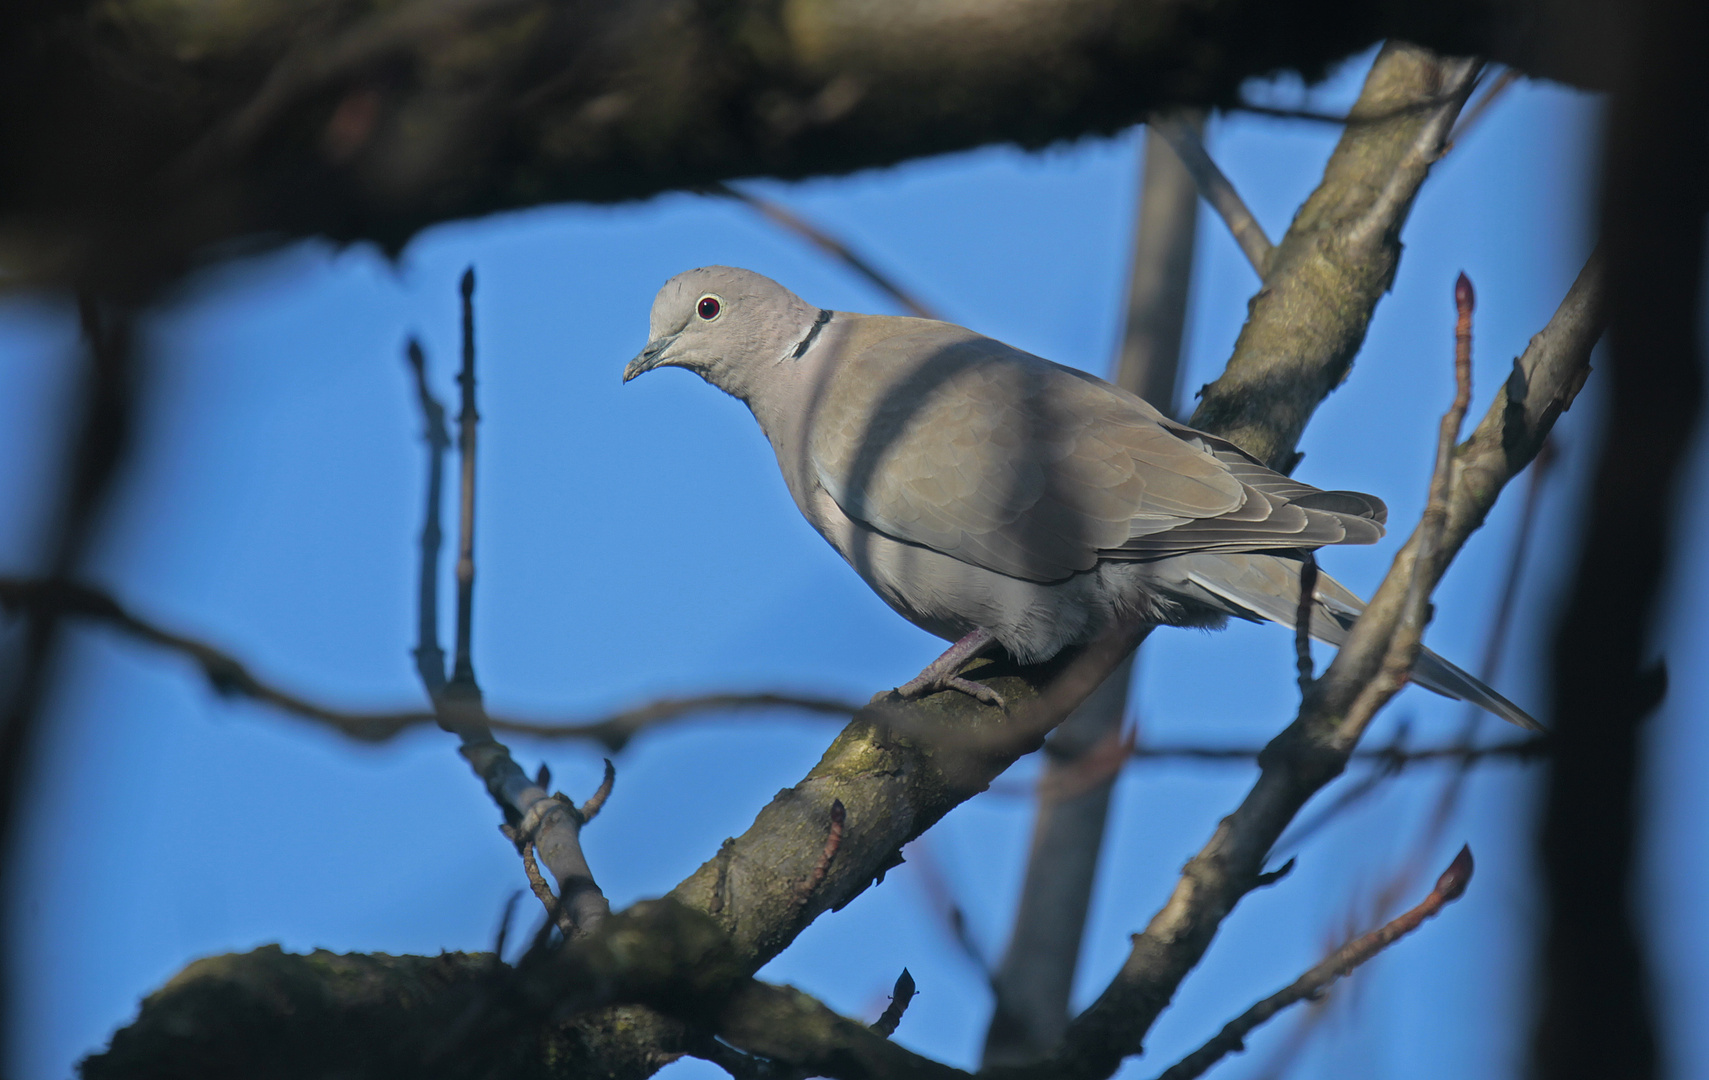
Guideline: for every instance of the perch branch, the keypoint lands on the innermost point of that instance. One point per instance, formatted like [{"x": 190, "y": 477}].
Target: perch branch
[
  {"x": 1302, "y": 622},
  {"x": 1476, "y": 111}
]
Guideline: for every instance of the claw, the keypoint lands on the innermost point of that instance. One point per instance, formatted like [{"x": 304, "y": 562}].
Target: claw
[
  {"x": 978, "y": 690},
  {"x": 940, "y": 674},
  {"x": 924, "y": 684}
]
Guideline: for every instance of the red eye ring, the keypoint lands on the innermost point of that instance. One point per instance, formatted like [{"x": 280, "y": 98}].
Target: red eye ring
[{"x": 708, "y": 308}]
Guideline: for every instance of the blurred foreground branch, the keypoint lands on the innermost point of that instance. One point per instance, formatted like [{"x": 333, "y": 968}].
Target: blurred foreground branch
[
  {"x": 230, "y": 676},
  {"x": 142, "y": 134},
  {"x": 1598, "y": 998}
]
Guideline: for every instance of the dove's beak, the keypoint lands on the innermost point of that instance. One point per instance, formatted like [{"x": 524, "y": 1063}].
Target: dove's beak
[{"x": 654, "y": 355}]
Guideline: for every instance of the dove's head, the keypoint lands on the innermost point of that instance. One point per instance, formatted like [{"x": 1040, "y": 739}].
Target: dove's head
[{"x": 729, "y": 326}]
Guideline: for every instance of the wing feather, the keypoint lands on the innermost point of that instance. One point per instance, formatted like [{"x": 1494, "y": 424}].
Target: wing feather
[{"x": 941, "y": 437}]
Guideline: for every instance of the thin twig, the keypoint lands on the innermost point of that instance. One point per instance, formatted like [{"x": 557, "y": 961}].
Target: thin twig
[
  {"x": 1231, "y": 1039},
  {"x": 468, "y": 421},
  {"x": 534, "y": 819},
  {"x": 1280, "y": 113},
  {"x": 1476, "y": 110},
  {"x": 1302, "y": 621},
  {"x": 596, "y": 801},
  {"x": 502, "y": 937},
  {"x": 429, "y": 657},
  {"x": 1393, "y": 760},
  {"x": 1427, "y": 561},
  {"x": 1217, "y": 190},
  {"x": 555, "y": 914},
  {"x": 229, "y": 676},
  {"x": 616, "y": 730},
  {"x": 805, "y": 888},
  {"x": 900, "y": 996},
  {"x": 1412, "y": 108},
  {"x": 1489, "y": 667},
  {"x": 788, "y": 219}
]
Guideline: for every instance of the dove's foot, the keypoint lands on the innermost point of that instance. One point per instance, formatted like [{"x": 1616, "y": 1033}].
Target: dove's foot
[{"x": 940, "y": 674}]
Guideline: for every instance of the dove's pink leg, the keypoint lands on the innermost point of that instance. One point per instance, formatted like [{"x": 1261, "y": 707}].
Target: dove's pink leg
[{"x": 940, "y": 674}]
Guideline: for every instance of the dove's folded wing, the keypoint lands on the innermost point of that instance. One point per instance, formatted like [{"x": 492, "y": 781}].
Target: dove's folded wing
[{"x": 941, "y": 437}]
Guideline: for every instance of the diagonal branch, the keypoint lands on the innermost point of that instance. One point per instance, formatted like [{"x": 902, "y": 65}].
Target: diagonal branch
[
  {"x": 429, "y": 657},
  {"x": 1338, "y": 258},
  {"x": 1216, "y": 188},
  {"x": 787, "y": 219},
  {"x": 1338, "y": 964}
]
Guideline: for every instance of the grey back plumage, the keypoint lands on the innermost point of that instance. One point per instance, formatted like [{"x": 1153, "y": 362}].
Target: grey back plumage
[{"x": 942, "y": 437}]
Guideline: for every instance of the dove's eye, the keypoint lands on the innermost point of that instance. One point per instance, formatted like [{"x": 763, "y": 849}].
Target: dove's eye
[{"x": 708, "y": 307}]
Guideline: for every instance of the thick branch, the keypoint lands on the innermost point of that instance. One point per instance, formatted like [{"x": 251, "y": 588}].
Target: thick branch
[
  {"x": 154, "y": 128},
  {"x": 1323, "y": 281}
]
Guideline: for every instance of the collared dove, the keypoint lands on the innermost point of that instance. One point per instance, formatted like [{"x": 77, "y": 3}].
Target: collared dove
[{"x": 994, "y": 498}]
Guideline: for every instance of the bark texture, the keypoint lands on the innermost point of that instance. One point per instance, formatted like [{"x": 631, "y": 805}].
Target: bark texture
[{"x": 143, "y": 134}]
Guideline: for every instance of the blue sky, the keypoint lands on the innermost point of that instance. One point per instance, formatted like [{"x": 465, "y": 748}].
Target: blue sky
[{"x": 636, "y": 541}]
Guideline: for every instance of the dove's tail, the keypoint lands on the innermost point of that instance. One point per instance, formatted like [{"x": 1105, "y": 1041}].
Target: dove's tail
[{"x": 1267, "y": 587}]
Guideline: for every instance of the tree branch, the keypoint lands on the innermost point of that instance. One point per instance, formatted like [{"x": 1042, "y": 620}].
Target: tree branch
[
  {"x": 550, "y": 824},
  {"x": 785, "y": 218},
  {"x": 190, "y": 125},
  {"x": 1324, "y": 279},
  {"x": 230, "y": 676},
  {"x": 1216, "y": 189},
  {"x": 1369, "y": 668},
  {"x": 1337, "y": 965}
]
